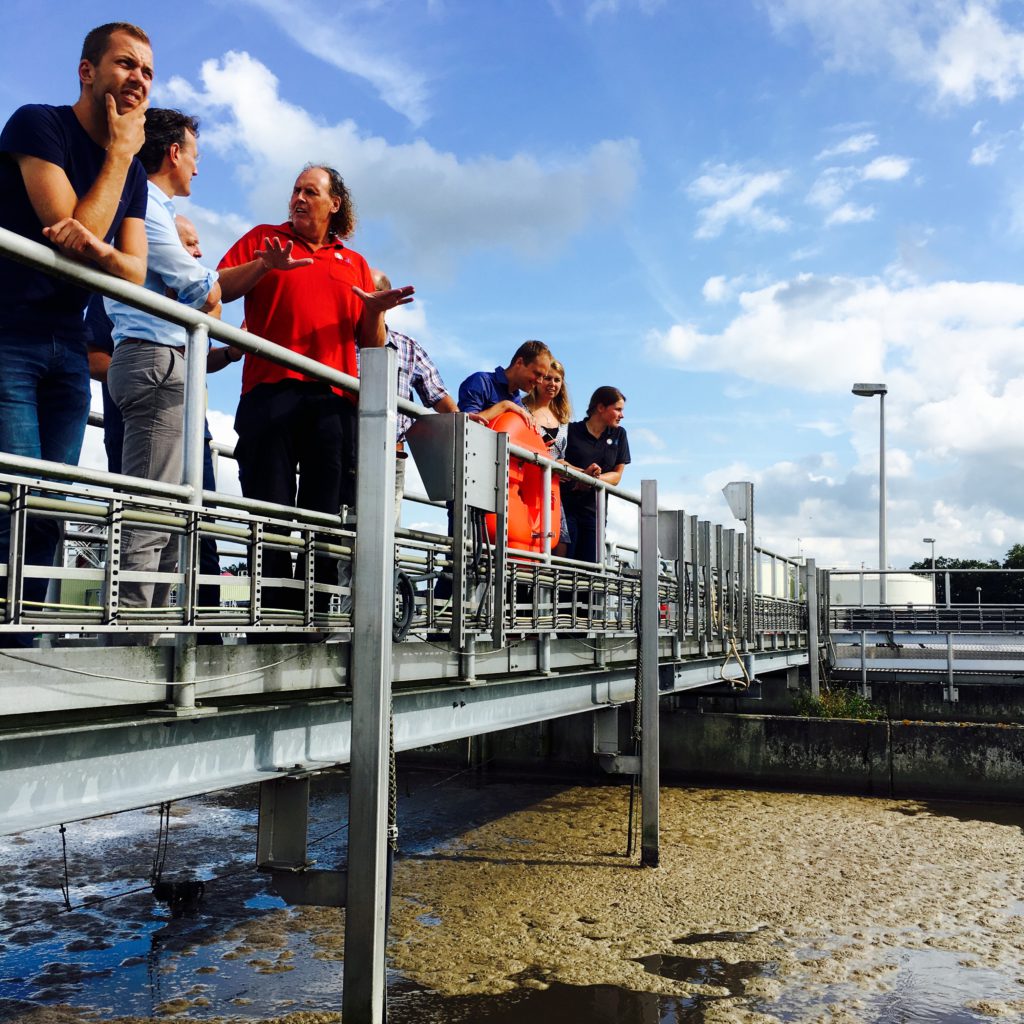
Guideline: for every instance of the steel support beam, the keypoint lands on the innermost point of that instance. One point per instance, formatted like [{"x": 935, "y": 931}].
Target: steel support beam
[{"x": 56, "y": 774}]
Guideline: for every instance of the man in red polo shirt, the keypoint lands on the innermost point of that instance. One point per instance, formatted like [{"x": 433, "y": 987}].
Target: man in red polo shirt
[{"x": 305, "y": 290}]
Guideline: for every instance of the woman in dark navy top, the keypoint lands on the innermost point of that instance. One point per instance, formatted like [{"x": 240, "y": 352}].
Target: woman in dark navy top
[{"x": 598, "y": 447}]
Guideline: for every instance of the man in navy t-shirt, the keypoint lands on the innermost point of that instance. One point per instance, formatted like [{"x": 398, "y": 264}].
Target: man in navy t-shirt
[{"x": 69, "y": 177}]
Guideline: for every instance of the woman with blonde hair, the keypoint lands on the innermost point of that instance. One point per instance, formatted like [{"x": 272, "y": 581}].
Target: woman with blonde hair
[{"x": 552, "y": 410}]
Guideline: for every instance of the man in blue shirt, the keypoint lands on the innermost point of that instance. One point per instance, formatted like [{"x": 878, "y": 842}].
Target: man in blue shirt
[
  {"x": 146, "y": 376},
  {"x": 69, "y": 177},
  {"x": 489, "y": 394}
]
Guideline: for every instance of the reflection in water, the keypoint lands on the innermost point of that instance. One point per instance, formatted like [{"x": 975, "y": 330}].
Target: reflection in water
[
  {"x": 720, "y": 973},
  {"x": 559, "y": 1004}
]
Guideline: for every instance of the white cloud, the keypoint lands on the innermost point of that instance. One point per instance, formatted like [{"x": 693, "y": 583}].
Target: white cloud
[
  {"x": 979, "y": 54},
  {"x": 831, "y": 187},
  {"x": 598, "y": 8},
  {"x": 986, "y": 153},
  {"x": 952, "y": 354},
  {"x": 850, "y": 213},
  {"x": 850, "y": 146},
  {"x": 819, "y": 334},
  {"x": 886, "y": 168},
  {"x": 716, "y": 289},
  {"x": 737, "y": 196},
  {"x": 338, "y": 38},
  {"x": 437, "y": 206},
  {"x": 807, "y": 252},
  {"x": 960, "y": 49},
  {"x": 829, "y": 428},
  {"x": 648, "y": 437},
  {"x": 217, "y": 231}
]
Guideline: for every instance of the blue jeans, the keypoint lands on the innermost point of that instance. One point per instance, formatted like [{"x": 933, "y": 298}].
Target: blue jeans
[{"x": 44, "y": 406}]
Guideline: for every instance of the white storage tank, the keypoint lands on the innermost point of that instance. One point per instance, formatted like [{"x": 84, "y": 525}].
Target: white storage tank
[{"x": 901, "y": 588}]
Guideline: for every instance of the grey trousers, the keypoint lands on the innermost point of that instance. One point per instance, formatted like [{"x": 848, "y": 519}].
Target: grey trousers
[{"x": 147, "y": 381}]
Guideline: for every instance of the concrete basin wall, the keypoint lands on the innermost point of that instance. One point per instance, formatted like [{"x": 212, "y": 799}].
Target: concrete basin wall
[{"x": 913, "y": 759}]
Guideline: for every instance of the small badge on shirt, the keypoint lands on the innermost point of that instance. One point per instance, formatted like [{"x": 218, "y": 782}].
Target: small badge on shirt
[
  {"x": 609, "y": 441},
  {"x": 343, "y": 258}
]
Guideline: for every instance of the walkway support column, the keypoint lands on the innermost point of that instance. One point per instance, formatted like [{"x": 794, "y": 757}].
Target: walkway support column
[
  {"x": 812, "y": 627},
  {"x": 650, "y": 767},
  {"x": 373, "y": 613}
]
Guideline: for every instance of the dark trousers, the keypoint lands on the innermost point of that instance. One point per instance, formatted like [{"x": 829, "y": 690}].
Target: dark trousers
[
  {"x": 113, "y": 430},
  {"x": 296, "y": 446},
  {"x": 209, "y": 562},
  {"x": 582, "y": 523}
]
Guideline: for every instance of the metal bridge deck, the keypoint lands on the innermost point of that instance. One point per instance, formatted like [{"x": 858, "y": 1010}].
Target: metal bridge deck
[{"x": 292, "y": 718}]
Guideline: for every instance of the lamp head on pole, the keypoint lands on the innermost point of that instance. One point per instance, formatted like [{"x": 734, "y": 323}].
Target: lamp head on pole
[
  {"x": 869, "y": 390},
  {"x": 927, "y": 540}
]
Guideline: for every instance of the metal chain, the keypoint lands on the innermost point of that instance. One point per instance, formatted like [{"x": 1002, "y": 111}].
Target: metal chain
[
  {"x": 638, "y": 688},
  {"x": 392, "y": 783},
  {"x": 65, "y": 889},
  {"x": 163, "y": 836},
  {"x": 638, "y": 731}
]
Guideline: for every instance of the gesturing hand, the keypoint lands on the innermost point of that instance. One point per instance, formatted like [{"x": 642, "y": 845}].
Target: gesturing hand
[
  {"x": 278, "y": 257},
  {"x": 381, "y": 302}
]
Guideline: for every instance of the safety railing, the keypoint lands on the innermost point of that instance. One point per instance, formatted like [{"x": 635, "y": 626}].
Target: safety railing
[
  {"x": 938, "y": 600},
  {"x": 476, "y": 587}
]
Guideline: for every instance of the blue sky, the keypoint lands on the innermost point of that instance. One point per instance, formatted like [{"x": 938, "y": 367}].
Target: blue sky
[{"x": 731, "y": 210}]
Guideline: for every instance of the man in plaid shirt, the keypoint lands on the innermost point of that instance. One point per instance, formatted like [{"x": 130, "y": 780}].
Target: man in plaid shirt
[{"x": 418, "y": 375}]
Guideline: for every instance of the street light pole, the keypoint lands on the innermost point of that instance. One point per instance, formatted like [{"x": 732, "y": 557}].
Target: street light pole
[
  {"x": 869, "y": 391},
  {"x": 931, "y": 540}
]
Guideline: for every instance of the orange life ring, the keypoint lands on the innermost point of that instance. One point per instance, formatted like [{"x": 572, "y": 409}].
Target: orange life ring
[{"x": 526, "y": 490}]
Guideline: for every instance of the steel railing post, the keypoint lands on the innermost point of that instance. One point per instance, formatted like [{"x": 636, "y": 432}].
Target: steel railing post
[
  {"x": 500, "y": 568},
  {"x": 812, "y": 626},
  {"x": 196, "y": 348},
  {"x": 863, "y": 663},
  {"x": 650, "y": 777},
  {"x": 372, "y": 615}
]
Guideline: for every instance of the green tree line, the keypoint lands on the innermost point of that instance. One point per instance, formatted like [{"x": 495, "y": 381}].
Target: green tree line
[{"x": 996, "y": 588}]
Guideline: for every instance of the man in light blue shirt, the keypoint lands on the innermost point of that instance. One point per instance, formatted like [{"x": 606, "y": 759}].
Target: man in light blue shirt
[{"x": 146, "y": 376}]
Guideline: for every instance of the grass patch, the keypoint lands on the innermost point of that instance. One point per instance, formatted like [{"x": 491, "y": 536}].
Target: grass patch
[{"x": 837, "y": 703}]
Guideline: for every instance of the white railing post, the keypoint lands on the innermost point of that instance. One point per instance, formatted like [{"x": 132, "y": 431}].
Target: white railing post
[{"x": 196, "y": 346}]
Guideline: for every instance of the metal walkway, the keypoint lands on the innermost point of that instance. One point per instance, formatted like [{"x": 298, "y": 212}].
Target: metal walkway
[{"x": 444, "y": 637}]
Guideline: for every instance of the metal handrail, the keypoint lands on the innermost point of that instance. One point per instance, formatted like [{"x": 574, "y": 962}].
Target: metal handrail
[{"x": 41, "y": 257}]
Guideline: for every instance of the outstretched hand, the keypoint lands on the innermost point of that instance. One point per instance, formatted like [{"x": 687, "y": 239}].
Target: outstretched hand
[
  {"x": 381, "y": 302},
  {"x": 278, "y": 257}
]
